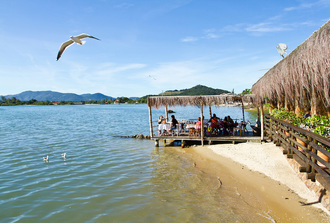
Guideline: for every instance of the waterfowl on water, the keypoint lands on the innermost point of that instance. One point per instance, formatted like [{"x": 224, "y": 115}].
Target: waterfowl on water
[{"x": 46, "y": 159}]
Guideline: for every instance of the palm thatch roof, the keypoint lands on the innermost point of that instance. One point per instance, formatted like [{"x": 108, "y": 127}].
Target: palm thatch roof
[
  {"x": 302, "y": 75},
  {"x": 217, "y": 100}
]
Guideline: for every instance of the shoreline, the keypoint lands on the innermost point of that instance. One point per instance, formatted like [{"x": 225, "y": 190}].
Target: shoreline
[{"x": 263, "y": 171}]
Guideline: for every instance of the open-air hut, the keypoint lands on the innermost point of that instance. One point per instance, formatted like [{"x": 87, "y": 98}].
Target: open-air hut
[
  {"x": 301, "y": 81},
  {"x": 200, "y": 101}
]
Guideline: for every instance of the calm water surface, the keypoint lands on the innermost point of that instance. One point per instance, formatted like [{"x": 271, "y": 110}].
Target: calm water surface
[{"x": 104, "y": 178}]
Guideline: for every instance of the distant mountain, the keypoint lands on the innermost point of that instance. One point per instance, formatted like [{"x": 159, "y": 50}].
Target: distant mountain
[
  {"x": 134, "y": 98},
  {"x": 197, "y": 90},
  {"x": 57, "y": 96}
]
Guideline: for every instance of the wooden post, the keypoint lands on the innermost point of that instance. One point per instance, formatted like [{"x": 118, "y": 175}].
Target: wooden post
[
  {"x": 262, "y": 120},
  {"x": 243, "y": 111},
  {"x": 286, "y": 104},
  {"x": 296, "y": 104},
  {"x": 271, "y": 106},
  {"x": 150, "y": 122},
  {"x": 166, "y": 113},
  {"x": 258, "y": 113},
  {"x": 202, "y": 126},
  {"x": 210, "y": 110}
]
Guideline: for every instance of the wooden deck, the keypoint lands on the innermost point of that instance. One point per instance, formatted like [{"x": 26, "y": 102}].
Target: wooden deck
[{"x": 248, "y": 137}]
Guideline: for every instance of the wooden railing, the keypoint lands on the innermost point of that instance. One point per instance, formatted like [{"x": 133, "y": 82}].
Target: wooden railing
[{"x": 304, "y": 146}]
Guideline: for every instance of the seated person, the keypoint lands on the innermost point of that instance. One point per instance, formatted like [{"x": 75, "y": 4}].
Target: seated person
[
  {"x": 214, "y": 124},
  {"x": 161, "y": 121},
  {"x": 221, "y": 126},
  {"x": 205, "y": 123},
  {"x": 198, "y": 126},
  {"x": 256, "y": 128},
  {"x": 174, "y": 122},
  {"x": 225, "y": 126},
  {"x": 230, "y": 121},
  {"x": 242, "y": 125},
  {"x": 198, "y": 123}
]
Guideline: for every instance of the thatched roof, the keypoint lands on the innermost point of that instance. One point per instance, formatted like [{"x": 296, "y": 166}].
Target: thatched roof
[
  {"x": 217, "y": 100},
  {"x": 304, "y": 72}
]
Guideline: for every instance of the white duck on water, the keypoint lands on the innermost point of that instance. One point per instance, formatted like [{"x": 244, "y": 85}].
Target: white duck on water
[
  {"x": 73, "y": 39},
  {"x": 63, "y": 155},
  {"x": 46, "y": 160}
]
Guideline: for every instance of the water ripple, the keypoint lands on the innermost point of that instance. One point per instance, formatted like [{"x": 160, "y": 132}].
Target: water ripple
[{"x": 103, "y": 177}]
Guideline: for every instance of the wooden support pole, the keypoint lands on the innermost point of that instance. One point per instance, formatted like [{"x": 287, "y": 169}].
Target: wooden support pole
[
  {"x": 258, "y": 113},
  {"x": 166, "y": 113},
  {"x": 262, "y": 120},
  {"x": 202, "y": 126},
  {"x": 210, "y": 110},
  {"x": 150, "y": 122},
  {"x": 243, "y": 111}
]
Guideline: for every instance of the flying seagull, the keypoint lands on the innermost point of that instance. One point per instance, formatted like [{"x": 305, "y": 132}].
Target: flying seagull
[
  {"x": 281, "y": 49},
  {"x": 73, "y": 39}
]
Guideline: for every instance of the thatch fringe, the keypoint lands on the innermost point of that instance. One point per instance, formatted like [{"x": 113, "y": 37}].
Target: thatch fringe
[
  {"x": 303, "y": 77},
  {"x": 216, "y": 100}
]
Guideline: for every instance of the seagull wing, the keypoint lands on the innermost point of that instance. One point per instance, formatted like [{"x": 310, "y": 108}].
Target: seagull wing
[
  {"x": 63, "y": 47},
  {"x": 84, "y": 35}
]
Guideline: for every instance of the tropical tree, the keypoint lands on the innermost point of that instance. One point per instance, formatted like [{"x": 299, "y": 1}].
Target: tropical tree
[{"x": 247, "y": 91}]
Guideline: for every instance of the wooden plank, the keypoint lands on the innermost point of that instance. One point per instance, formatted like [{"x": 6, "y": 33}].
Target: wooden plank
[
  {"x": 318, "y": 159},
  {"x": 324, "y": 181},
  {"x": 319, "y": 148},
  {"x": 213, "y": 138}
]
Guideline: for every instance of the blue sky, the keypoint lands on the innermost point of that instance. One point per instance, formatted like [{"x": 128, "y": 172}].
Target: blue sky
[{"x": 148, "y": 46}]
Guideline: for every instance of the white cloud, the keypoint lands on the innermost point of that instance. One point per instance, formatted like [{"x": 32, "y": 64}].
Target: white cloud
[
  {"x": 111, "y": 68},
  {"x": 320, "y": 3},
  {"x": 267, "y": 27},
  {"x": 171, "y": 72},
  {"x": 207, "y": 34},
  {"x": 210, "y": 34},
  {"x": 189, "y": 39},
  {"x": 124, "y": 5}
]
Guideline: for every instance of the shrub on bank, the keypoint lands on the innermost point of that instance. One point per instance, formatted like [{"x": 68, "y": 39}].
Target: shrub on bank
[{"x": 317, "y": 124}]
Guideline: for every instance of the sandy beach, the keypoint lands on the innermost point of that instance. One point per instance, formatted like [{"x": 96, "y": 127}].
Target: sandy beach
[{"x": 265, "y": 179}]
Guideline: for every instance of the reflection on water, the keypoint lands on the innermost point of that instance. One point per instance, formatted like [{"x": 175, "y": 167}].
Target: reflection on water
[{"x": 104, "y": 178}]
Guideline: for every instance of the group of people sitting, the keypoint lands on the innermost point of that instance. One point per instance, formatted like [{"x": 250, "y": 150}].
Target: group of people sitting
[
  {"x": 213, "y": 126},
  {"x": 224, "y": 126},
  {"x": 165, "y": 127}
]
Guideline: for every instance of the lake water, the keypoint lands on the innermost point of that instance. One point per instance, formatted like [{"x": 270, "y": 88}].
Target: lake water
[{"x": 105, "y": 178}]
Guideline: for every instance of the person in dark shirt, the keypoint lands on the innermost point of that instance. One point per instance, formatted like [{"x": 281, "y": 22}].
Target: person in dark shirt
[
  {"x": 256, "y": 128},
  {"x": 174, "y": 122}
]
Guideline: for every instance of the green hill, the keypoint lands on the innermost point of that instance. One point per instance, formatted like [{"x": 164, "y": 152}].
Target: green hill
[{"x": 197, "y": 90}]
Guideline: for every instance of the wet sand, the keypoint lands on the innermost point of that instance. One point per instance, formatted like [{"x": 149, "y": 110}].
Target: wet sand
[{"x": 261, "y": 177}]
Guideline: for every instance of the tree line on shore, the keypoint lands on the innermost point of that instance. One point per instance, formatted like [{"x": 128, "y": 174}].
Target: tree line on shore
[
  {"x": 197, "y": 90},
  {"x": 120, "y": 100}
]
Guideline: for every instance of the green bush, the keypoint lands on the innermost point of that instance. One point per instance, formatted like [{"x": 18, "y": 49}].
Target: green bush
[{"x": 317, "y": 124}]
